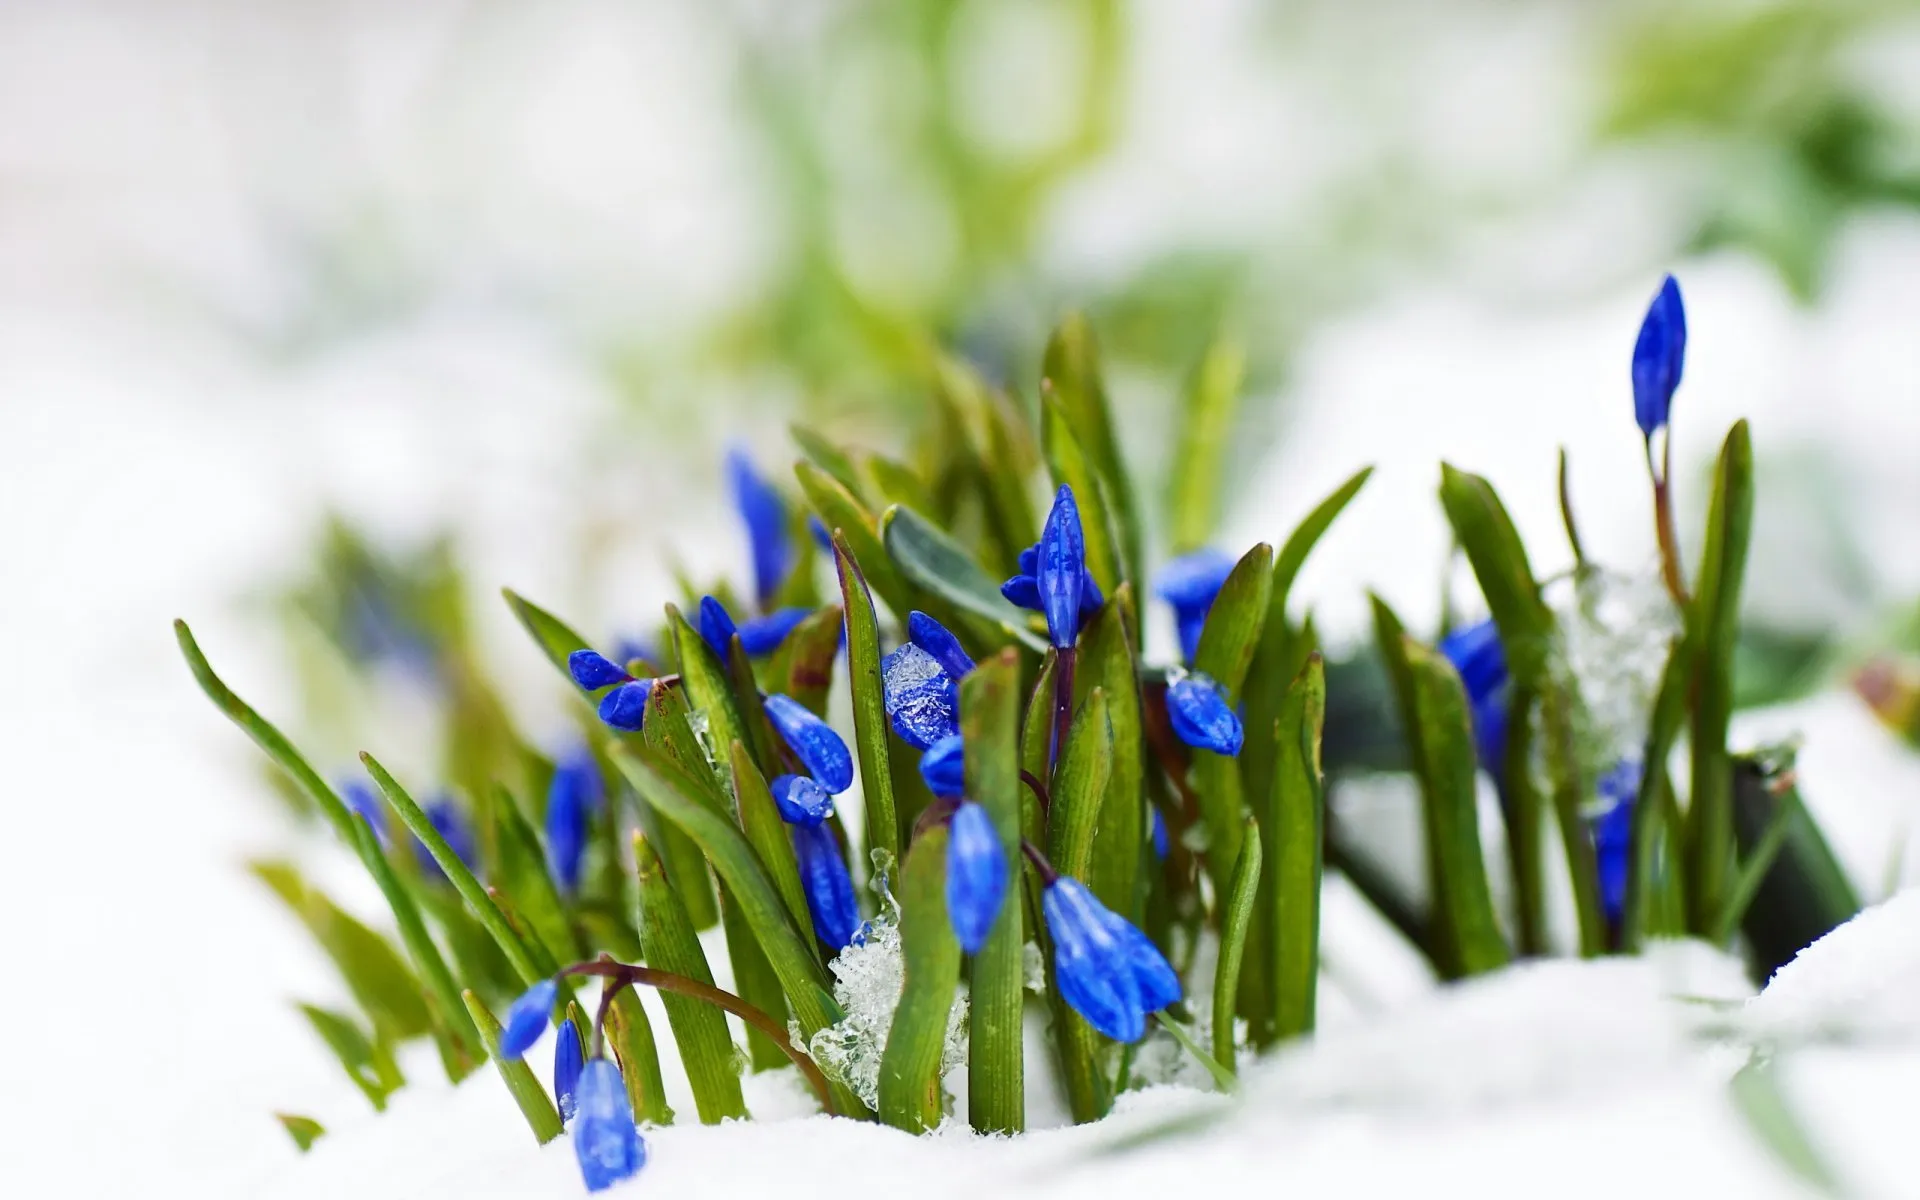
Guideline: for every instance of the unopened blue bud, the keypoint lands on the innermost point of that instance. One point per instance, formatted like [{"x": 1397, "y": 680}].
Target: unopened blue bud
[
  {"x": 829, "y": 889},
  {"x": 625, "y": 707},
  {"x": 567, "y": 1063},
  {"x": 1108, "y": 971},
  {"x": 813, "y": 741},
  {"x": 605, "y": 1139},
  {"x": 976, "y": 876},
  {"x": 1659, "y": 354},
  {"x": 593, "y": 672},
  {"x": 944, "y": 767},
  {"x": 801, "y": 800},
  {"x": 933, "y": 637},
  {"x": 763, "y": 635},
  {"x": 1026, "y": 590},
  {"x": 1189, "y": 584},
  {"x": 571, "y": 799},
  {"x": 765, "y": 514},
  {"x": 716, "y": 626},
  {"x": 527, "y": 1019},
  {"x": 1201, "y": 716},
  {"x": 1062, "y": 568},
  {"x": 1477, "y": 655},
  {"x": 922, "y": 702}
]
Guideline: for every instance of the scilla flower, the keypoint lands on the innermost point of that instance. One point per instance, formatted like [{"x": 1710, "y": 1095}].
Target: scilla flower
[
  {"x": 1189, "y": 584},
  {"x": 1659, "y": 354},
  {"x": 765, "y": 515},
  {"x": 829, "y": 889},
  {"x": 1613, "y": 835},
  {"x": 623, "y": 708},
  {"x": 567, "y": 1062},
  {"x": 976, "y": 876},
  {"x": 1201, "y": 716},
  {"x": 801, "y": 800},
  {"x": 758, "y": 637},
  {"x": 813, "y": 741},
  {"x": 1108, "y": 971},
  {"x": 943, "y": 766},
  {"x": 1053, "y": 576},
  {"x": 572, "y": 798},
  {"x": 605, "y": 1139},
  {"x": 1476, "y": 654},
  {"x": 527, "y": 1019}
]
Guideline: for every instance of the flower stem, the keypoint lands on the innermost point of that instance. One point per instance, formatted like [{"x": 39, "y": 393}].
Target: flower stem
[
  {"x": 1670, "y": 570},
  {"x": 1062, "y": 698}
]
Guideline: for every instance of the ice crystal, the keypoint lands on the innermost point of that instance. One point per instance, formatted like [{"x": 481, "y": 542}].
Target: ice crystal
[
  {"x": 1614, "y": 634},
  {"x": 867, "y": 979}
]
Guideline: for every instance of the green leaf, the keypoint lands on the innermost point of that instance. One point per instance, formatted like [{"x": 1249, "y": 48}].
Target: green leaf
[
  {"x": 1106, "y": 654},
  {"x": 826, "y": 456},
  {"x": 669, "y": 733},
  {"x": 379, "y": 979},
  {"x": 1295, "y": 825},
  {"x": 1499, "y": 560},
  {"x": 1227, "y": 645},
  {"x": 1080, "y": 784},
  {"x": 1712, "y": 627},
  {"x": 767, "y": 833},
  {"x": 1003, "y": 457},
  {"x": 1071, "y": 466},
  {"x": 869, "y": 703},
  {"x": 630, "y": 1034},
  {"x": 803, "y": 665},
  {"x": 709, "y": 691},
  {"x": 524, "y": 877},
  {"x": 535, "y": 1105},
  {"x": 1199, "y": 460},
  {"x": 910, "y": 1065},
  {"x": 667, "y": 938},
  {"x": 1071, "y": 380},
  {"x": 1222, "y": 1077},
  {"x": 990, "y": 728},
  {"x": 930, "y": 558},
  {"x": 843, "y": 513},
  {"x": 1652, "y": 844},
  {"x": 1242, "y": 894},
  {"x": 555, "y": 638},
  {"x": 1758, "y": 1098},
  {"x": 762, "y": 740},
  {"x": 754, "y": 982},
  {"x": 367, "y": 1063},
  {"x": 1805, "y": 893},
  {"x": 304, "y": 1131}
]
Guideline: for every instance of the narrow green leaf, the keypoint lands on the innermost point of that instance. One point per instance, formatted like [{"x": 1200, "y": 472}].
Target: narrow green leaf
[
  {"x": 826, "y": 456},
  {"x": 1223, "y": 1078},
  {"x": 1227, "y": 646},
  {"x": 1071, "y": 380},
  {"x": 931, "y": 559},
  {"x": 379, "y": 979},
  {"x": 1199, "y": 460},
  {"x": 524, "y": 876},
  {"x": 630, "y": 1034},
  {"x": 535, "y": 1105},
  {"x": 803, "y": 665},
  {"x": 366, "y": 1062},
  {"x": 304, "y": 1131},
  {"x": 1107, "y": 661},
  {"x": 767, "y": 833},
  {"x": 1080, "y": 784},
  {"x": 1805, "y": 893},
  {"x": 1242, "y": 894},
  {"x": 1754, "y": 866},
  {"x": 555, "y": 637},
  {"x": 990, "y": 727},
  {"x": 709, "y": 690},
  {"x": 890, "y": 482},
  {"x": 1003, "y": 457},
  {"x": 1036, "y": 726},
  {"x": 1499, "y": 560},
  {"x": 842, "y": 512},
  {"x": 1758, "y": 1098},
  {"x": 1071, "y": 466},
  {"x": 667, "y": 938},
  {"x": 754, "y": 982},
  {"x": 758, "y": 731},
  {"x": 910, "y": 1065},
  {"x": 1296, "y": 827},
  {"x": 870, "y": 726},
  {"x": 669, "y": 733}
]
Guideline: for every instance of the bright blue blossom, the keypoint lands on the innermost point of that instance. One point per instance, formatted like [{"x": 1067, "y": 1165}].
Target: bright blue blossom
[
  {"x": 625, "y": 707},
  {"x": 605, "y": 1139},
  {"x": 593, "y": 671},
  {"x": 763, "y": 635},
  {"x": 829, "y": 889},
  {"x": 1659, "y": 353},
  {"x": 1053, "y": 576},
  {"x": 1201, "y": 716},
  {"x": 1477, "y": 655},
  {"x": 572, "y": 798},
  {"x": 765, "y": 515},
  {"x": 1189, "y": 584},
  {"x": 976, "y": 876},
  {"x": 1613, "y": 834},
  {"x": 818, "y": 747},
  {"x": 1108, "y": 971},
  {"x": 527, "y": 1019},
  {"x": 943, "y": 766},
  {"x": 935, "y": 638},
  {"x": 567, "y": 1062},
  {"x": 716, "y": 626},
  {"x": 801, "y": 800},
  {"x": 923, "y": 701},
  {"x": 453, "y": 827}
]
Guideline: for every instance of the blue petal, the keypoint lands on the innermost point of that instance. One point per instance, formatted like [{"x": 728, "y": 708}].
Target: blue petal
[
  {"x": 922, "y": 702},
  {"x": 976, "y": 876},
  {"x": 1063, "y": 568},
  {"x": 1613, "y": 835},
  {"x": 1153, "y": 976},
  {"x": 765, "y": 515},
  {"x": 933, "y": 637},
  {"x": 801, "y": 800},
  {"x": 571, "y": 799},
  {"x": 716, "y": 626},
  {"x": 1030, "y": 560},
  {"x": 1022, "y": 591},
  {"x": 1477, "y": 655},
  {"x": 764, "y": 634},
  {"x": 1161, "y": 846},
  {"x": 605, "y": 1140},
  {"x": 1190, "y": 626},
  {"x": 943, "y": 766},
  {"x": 1201, "y": 716},
  {"x": 829, "y": 889},
  {"x": 1659, "y": 354},
  {"x": 813, "y": 741},
  {"x": 364, "y": 804},
  {"x": 1191, "y": 581},
  {"x": 1089, "y": 964},
  {"x": 527, "y": 1019},
  {"x": 821, "y": 537},
  {"x": 567, "y": 1062},
  {"x": 593, "y": 672},
  {"x": 625, "y": 707}
]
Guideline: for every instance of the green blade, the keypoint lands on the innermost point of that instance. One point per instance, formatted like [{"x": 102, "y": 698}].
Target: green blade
[
  {"x": 869, "y": 703},
  {"x": 379, "y": 979},
  {"x": 932, "y": 560},
  {"x": 767, "y": 833},
  {"x": 304, "y": 1131},
  {"x": 1295, "y": 824},
  {"x": 1107, "y": 661},
  {"x": 1080, "y": 785},
  {"x": 1071, "y": 380},
  {"x": 1242, "y": 894},
  {"x": 844, "y": 514},
  {"x": 555, "y": 637},
  {"x": 1205, "y": 430},
  {"x": 1227, "y": 645},
  {"x": 1071, "y": 467},
  {"x": 990, "y": 727},
  {"x": 630, "y": 1034},
  {"x": 700, "y": 1030},
  {"x": 534, "y": 1103},
  {"x": 910, "y": 1065}
]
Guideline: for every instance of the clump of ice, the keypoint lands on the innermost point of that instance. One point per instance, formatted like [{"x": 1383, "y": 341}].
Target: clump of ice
[
  {"x": 867, "y": 980},
  {"x": 1033, "y": 966},
  {"x": 1614, "y": 631}
]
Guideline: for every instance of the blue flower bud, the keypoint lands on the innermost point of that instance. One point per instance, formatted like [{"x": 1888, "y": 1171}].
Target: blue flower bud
[
  {"x": 829, "y": 889},
  {"x": 1161, "y": 845},
  {"x": 1613, "y": 835},
  {"x": 571, "y": 799},
  {"x": 716, "y": 626},
  {"x": 818, "y": 747},
  {"x": 1189, "y": 584},
  {"x": 593, "y": 672},
  {"x": 933, "y": 637},
  {"x": 605, "y": 1139},
  {"x": 976, "y": 876},
  {"x": 527, "y": 1019},
  {"x": 765, "y": 515},
  {"x": 801, "y": 800},
  {"x": 1201, "y": 716},
  {"x": 448, "y": 822},
  {"x": 1024, "y": 590},
  {"x": 1477, "y": 655},
  {"x": 1659, "y": 353},
  {"x": 567, "y": 1062},
  {"x": 625, "y": 707},
  {"x": 1108, "y": 971},
  {"x": 922, "y": 702},
  {"x": 364, "y": 804},
  {"x": 764, "y": 634},
  {"x": 944, "y": 767},
  {"x": 1062, "y": 568},
  {"x": 822, "y": 537}
]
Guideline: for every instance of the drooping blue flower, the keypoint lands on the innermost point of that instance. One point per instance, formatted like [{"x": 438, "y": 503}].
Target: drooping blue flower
[
  {"x": 1659, "y": 354},
  {"x": 567, "y": 1062},
  {"x": 1162, "y": 846},
  {"x": 716, "y": 626},
  {"x": 571, "y": 799},
  {"x": 1108, "y": 971},
  {"x": 364, "y": 804},
  {"x": 936, "y": 639},
  {"x": 593, "y": 671},
  {"x": 605, "y": 1139},
  {"x": 1201, "y": 716},
  {"x": 1613, "y": 834},
  {"x": 451, "y": 825},
  {"x": 976, "y": 876},
  {"x": 625, "y": 707},
  {"x": 818, "y": 747},
  {"x": 829, "y": 889},
  {"x": 923, "y": 702},
  {"x": 1189, "y": 584},
  {"x": 765, "y": 514},
  {"x": 944, "y": 767},
  {"x": 527, "y": 1019},
  {"x": 1477, "y": 655},
  {"x": 763, "y": 635},
  {"x": 1047, "y": 583},
  {"x": 801, "y": 800}
]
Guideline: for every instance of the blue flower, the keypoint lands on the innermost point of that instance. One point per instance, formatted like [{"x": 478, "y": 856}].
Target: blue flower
[
  {"x": 527, "y": 1019},
  {"x": 1189, "y": 583},
  {"x": 829, "y": 889},
  {"x": 934, "y": 638},
  {"x": 571, "y": 799},
  {"x": 567, "y": 1062},
  {"x": 976, "y": 876},
  {"x": 821, "y": 536},
  {"x": 1053, "y": 576},
  {"x": 944, "y": 767},
  {"x": 763, "y": 635},
  {"x": 364, "y": 804},
  {"x": 801, "y": 800},
  {"x": 818, "y": 747},
  {"x": 448, "y": 822},
  {"x": 1477, "y": 655},
  {"x": 1108, "y": 971},
  {"x": 1201, "y": 716},
  {"x": 593, "y": 671},
  {"x": 605, "y": 1139},
  {"x": 625, "y": 707},
  {"x": 1659, "y": 353},
  {"x": 765, "y": 515},
  {"x": 1161, "y": 845},
  {"x": 716, "y": 626},
  {"x": 923, "y": 702},
  {"x": 629, "y": 648},
  {"x": 1613, "y": 834}
]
